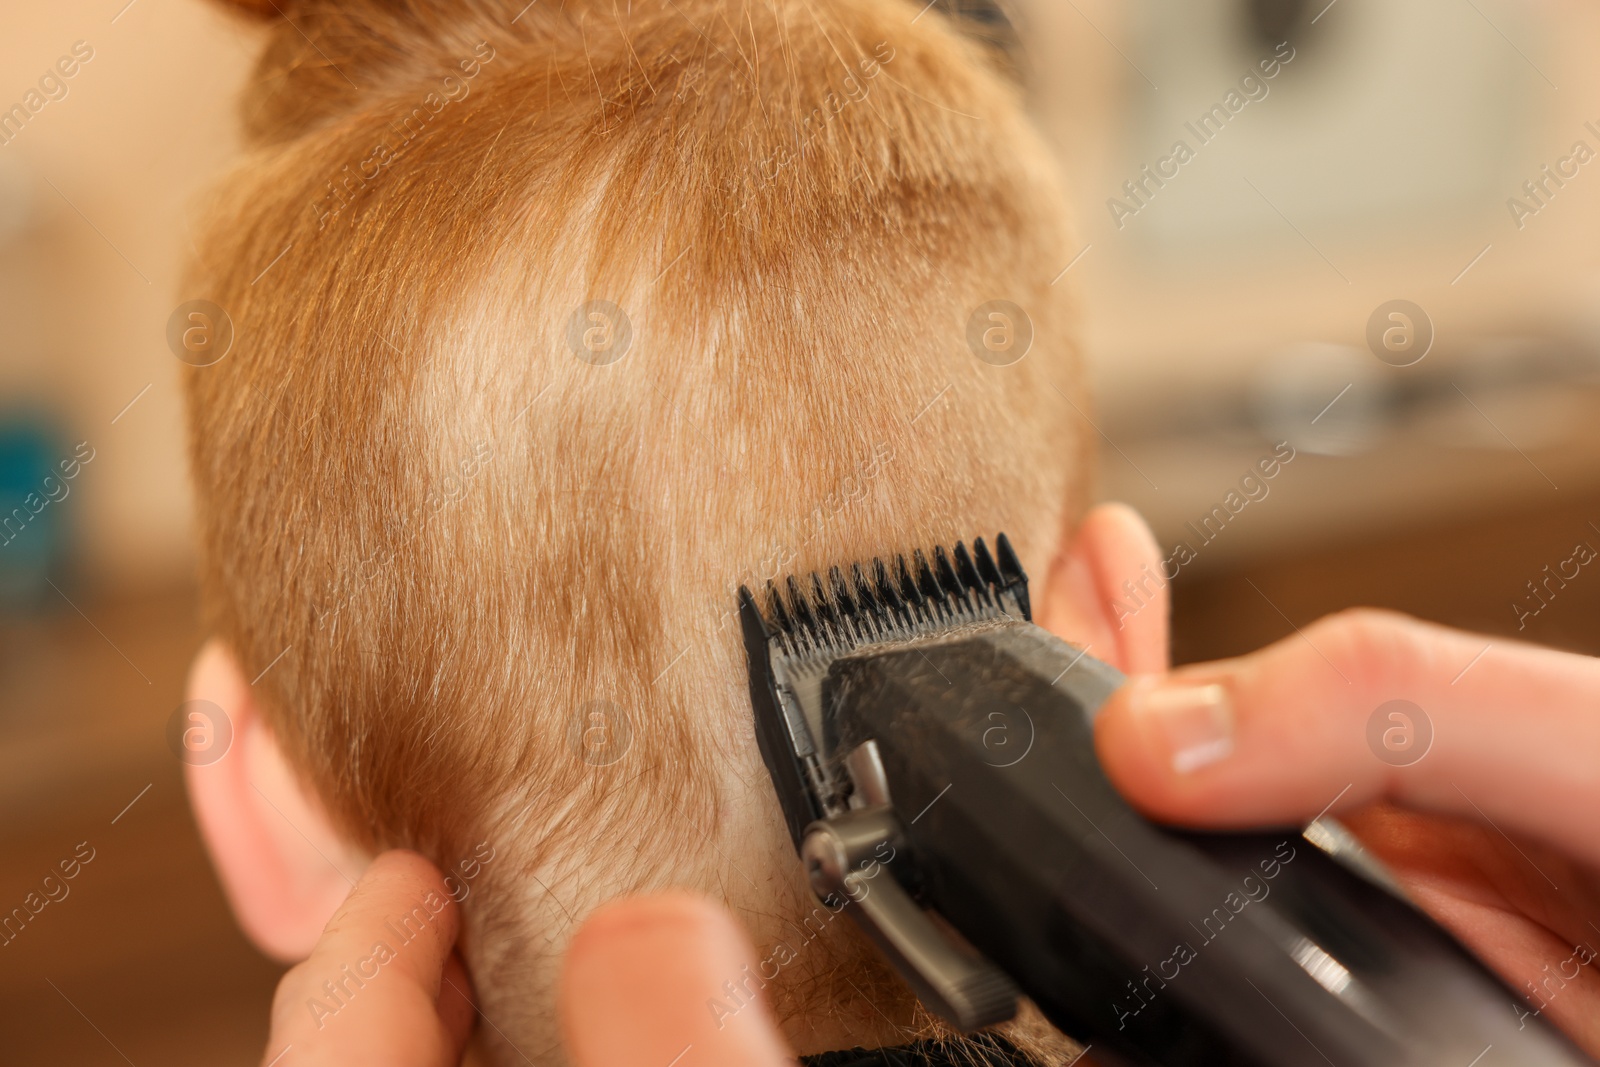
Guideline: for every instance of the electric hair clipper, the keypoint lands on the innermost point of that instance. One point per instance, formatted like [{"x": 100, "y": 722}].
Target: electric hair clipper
[{"x": 933, "y": 751}]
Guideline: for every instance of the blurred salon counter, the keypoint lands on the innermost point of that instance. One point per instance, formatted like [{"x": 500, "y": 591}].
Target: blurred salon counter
[{"x": 1467, "y": 499}]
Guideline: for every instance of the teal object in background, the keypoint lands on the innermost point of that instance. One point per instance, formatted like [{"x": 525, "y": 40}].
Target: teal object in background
[{"x": 34, "y": 514}]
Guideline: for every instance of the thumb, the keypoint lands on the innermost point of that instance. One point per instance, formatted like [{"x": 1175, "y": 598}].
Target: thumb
[
  {"x": 645, "y": 983},
  {"x": 1364, "y": 706},
  {"x": 382, "y": 985}
]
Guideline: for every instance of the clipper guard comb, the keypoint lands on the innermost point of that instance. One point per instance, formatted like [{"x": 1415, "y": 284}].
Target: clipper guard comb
[{"x": 933, "y": 752}]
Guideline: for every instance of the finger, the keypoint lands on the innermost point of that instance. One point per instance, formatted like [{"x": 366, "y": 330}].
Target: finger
[
  {"x": 370, "y": 991},
  {"x": 644, "y": 978},
  {"x": 1495, "y": 731},
  {"x": 1478, "y": 886},
  {"x": 402, "y": 897}
]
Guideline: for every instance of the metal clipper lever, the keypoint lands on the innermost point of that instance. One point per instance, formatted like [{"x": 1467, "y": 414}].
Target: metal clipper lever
[{"x": 844, "y": 858}]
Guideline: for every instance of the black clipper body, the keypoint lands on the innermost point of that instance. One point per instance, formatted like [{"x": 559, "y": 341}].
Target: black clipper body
[{"x": 933, "y": 752}]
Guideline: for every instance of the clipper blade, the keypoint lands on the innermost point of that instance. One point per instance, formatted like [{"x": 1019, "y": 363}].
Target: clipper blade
[
  {"x": 879, "y": 601},
  {"x": 808, "y": 623}
]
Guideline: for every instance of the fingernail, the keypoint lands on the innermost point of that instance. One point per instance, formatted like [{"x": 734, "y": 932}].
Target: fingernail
[{"x": 1194, "y": 721}]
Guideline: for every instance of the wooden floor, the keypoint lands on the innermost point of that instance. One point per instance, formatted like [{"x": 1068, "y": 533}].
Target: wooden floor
[{"x": 141, "y": 964}]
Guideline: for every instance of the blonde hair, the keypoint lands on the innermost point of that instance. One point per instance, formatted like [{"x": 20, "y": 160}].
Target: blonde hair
[{"x": 555, "y": 324}]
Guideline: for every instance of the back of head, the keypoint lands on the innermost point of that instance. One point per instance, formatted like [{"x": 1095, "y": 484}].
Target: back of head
[{"x": 555, "y": 323}]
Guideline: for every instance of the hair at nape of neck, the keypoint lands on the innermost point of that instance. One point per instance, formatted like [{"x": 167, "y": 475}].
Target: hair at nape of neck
[{"x": 741, "y": 992}]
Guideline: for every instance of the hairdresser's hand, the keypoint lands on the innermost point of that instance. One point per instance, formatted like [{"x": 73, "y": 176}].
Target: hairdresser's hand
[
  {"x": 406, "y": 1007},
  {"x": 637, "y": 979},
  {"x": 634, "y": 984},
  {"x": 1491, "y": 827}
]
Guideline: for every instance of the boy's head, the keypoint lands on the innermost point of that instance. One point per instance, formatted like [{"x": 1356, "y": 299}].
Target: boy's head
[{"x": 555, "y": 324}]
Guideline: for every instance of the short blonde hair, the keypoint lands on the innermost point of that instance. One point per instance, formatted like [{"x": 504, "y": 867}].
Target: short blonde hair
[{"x": 553, "y": 327}]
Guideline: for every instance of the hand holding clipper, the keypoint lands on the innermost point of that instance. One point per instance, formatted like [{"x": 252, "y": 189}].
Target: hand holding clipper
[{"x": 914, "y": 712}]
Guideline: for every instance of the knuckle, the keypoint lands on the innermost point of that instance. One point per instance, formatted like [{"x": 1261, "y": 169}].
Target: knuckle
[{"x": 1373, "y": 647}]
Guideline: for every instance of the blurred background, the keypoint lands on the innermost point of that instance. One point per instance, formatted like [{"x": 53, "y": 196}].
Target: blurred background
[{"x": 1381, "y": 253}]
